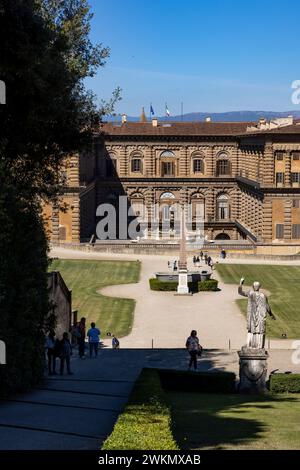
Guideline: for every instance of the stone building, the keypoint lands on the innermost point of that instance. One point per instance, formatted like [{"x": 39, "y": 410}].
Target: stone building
[{"x": 242, "y": 179}]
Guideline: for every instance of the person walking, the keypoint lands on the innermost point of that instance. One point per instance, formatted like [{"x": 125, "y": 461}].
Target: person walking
[
  {"x": 51, "y": 353},
  {"x": 81, "y": 337},
  {"x": 209, "y": 260},
  {"x": 194, "y": 349},
  {"x": 94, "y": 339},
  {"x": 115, "y": 342},
  {"x": 201, "y": 255},
  {"x": 198, "y": 261},
  {"x": 65, "y": 354},
  {"x": 194, "y": 260},
  {"x": 205, "y": 258}
]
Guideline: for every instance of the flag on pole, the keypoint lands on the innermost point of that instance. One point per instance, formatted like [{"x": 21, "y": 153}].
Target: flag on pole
[
  {"x": 151, "y": 110},
  {"x": 167, "y": 111}
]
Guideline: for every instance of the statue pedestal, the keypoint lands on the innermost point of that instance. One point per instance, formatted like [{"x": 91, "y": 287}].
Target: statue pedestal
[
  {"x": 182, "y": 288},
  {"x": 253, "y": 370}
]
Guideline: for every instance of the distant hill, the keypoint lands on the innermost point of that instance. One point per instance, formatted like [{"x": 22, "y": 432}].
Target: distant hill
[{"x": 231, "y": 116}]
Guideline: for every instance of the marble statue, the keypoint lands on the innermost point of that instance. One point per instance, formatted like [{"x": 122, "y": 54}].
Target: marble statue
[{"x": 257, "y": 310}]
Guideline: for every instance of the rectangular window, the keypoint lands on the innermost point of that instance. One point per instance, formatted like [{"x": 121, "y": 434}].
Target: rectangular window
[
  {"x": 136, "y": 165},
  {"x": 296, "y": 156},
  {"x": 279, "y": 178},
  {"x": 296, "y": 203},
  {"x": 296, "y": 231},
  {"x": 279, "y": 156},
  {"x": 279, "y": 231},
  {"x": 198, "y": 166},
  {"x": 168, "y": 169},
  {"x": 295, "y": 177}
]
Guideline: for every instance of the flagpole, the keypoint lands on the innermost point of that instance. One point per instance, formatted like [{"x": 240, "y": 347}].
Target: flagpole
[{"x": 181, "y": 111}]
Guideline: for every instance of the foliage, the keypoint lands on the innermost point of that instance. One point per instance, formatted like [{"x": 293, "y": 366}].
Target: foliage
[
  {"x": 23, "y": 291},
  {"x": 45, "y": 56},
  {"x": 209, "y": 285},
  {"x": 146, "y": 421},
  {"x": 201, "y": 382},
  {"x": 284, "y": 383}
]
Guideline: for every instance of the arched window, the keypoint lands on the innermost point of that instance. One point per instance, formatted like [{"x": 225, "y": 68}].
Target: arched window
[
  {"x": 168, "y": 163},
  {"x": 136, "y": 165},
  {"x": 223, "y": 167},
  {"x": 167, "y": 196},
  {"x": 223, "y": 207},
  {"x": 167, "y": 154}
]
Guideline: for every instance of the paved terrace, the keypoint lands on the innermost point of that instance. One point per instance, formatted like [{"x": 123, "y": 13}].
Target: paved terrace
[{"x": 79, "y": 411}]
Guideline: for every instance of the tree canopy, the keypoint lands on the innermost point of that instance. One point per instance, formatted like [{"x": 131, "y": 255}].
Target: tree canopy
[{"x": 46, "y": 54}]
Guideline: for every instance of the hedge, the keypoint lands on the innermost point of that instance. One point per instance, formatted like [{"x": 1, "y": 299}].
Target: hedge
[
  {"x": 145, "y": 423},
  {"x": 282, "y": 383},
  {"x": 194, "y": 286},
  {"x": 209, "y": 285},
  {"x": 201, "y": 382}
]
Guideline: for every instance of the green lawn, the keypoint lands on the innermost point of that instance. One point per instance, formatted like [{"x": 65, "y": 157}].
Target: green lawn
[
  {"x": 283, "y": 283},
  {"x": 85, "y": 278},
  {"x": 202, "y": 421}
]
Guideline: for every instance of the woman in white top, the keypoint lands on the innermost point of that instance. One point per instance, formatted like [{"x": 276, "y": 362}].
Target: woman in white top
[{"x": 193, "y": 347}]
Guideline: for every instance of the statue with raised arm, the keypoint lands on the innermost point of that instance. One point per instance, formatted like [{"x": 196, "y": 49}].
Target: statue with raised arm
[{"x": 257, "y": 310}]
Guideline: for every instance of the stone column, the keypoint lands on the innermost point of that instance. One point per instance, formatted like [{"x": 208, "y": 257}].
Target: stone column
[
  {"x": 267, "y": 221},
  {"x": 288, "y": 165},
  {"x": 234, "y": 161},
  {"x": 269, "y": 167},
  {"x": 209, "y": 163},
  {"x": 183, "y": 161},
  {"x": 73, "y": 179},
  {"x": 76, "y": 220},
  {"x": 123, "y": 164},
  {"x": 55, "y": 224},
  {"x": 288, "y": 220},
  {"x": 149, "y": 163},
  {"x": 210, "y": 210}
]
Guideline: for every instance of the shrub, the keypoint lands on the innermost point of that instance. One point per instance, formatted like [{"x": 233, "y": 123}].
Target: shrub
[
  {"x": 156, "y": 284},
  {"x": 285, "y": 383},
  {"x": 145, "y": 423},
  {"x": 203, "y": 382},
  {"x": 194, "y": 286},
  {"x": 209, "y": 285}
]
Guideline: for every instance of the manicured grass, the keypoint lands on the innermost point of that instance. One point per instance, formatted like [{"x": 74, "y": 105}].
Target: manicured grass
[
  {"x": 283, "y": 284},
  {"x": 145, "y": 423},
  {"x": 202, "y": 421},
  {"x": 86, "y": 277}
]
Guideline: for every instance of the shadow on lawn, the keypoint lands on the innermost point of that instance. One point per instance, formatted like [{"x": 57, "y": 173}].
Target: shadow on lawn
[{"x": 197, "y": 423}]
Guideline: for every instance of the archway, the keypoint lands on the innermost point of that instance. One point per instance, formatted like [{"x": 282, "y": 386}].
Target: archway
[{"x": 222, "y": 236}]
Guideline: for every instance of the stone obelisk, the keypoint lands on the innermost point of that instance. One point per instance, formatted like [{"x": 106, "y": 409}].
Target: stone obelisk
[{"x": 182, "y": 288}]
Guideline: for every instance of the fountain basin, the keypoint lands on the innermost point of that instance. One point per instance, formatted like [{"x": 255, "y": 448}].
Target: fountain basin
[{"x": 193, "y": 276}]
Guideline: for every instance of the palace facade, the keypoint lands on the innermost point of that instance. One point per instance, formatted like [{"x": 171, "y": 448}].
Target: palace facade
[{"x": 242, "y": 179}]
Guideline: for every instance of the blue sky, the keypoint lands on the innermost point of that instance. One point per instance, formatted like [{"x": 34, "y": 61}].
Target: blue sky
[{"x": 212, "y": 55}]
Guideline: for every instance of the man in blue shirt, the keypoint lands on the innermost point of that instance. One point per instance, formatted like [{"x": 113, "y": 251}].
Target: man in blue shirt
[{"x": 94, "y": 339}]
